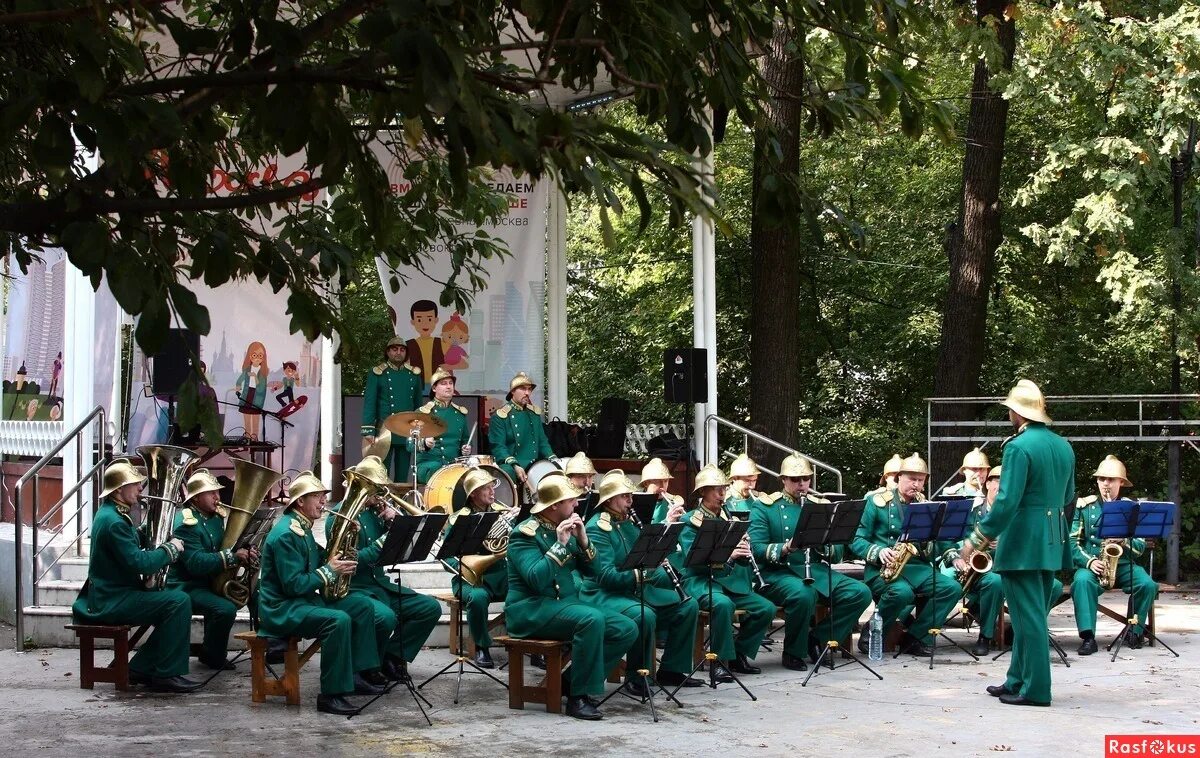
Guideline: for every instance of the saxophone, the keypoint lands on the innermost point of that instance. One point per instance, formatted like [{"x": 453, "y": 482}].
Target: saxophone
[
  {"x": 891, "y": 572},
  {"x": 1111, "y": 555},
  {"x": 342, "y": 542},
  {"x": 980, "y": 564}
]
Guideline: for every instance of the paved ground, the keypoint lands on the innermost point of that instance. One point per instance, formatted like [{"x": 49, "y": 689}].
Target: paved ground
[{"x": 913, "y": 712}]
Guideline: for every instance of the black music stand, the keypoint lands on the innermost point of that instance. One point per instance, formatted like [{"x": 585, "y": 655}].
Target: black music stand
[
  {"x": 466, "y": 537},
  {"x": 1127, "y": 520},
  {"x": 644, "y": 504},
  {"x": 827, "y": 525},
  {"x": 587, "y": 504},
  {"x": 716, "y": 539},
  {"x": 653, "y": 545},
  {"x": 408, "y": 540}
]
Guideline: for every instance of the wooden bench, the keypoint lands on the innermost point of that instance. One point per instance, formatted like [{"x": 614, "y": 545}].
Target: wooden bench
[
  {"x": 701, "y": 637},
  {"x": 456, "y": 621},
  {"x": 287, "y": 685},
  {"x": 117, "y": 672},
  {"x": 548, "y": 691}
]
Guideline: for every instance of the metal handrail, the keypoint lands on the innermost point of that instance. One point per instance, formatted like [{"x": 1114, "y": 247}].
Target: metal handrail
[
  {"x": 714, "y": 419},
  {"x": 33, "y": 474}
]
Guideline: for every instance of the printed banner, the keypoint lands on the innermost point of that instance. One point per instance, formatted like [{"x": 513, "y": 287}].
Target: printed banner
[{"x": 33, "y": 339}]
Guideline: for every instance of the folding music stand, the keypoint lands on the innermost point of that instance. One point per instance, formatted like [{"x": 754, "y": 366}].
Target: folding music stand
[
  {"x": 644, "y": 504},
  {"x": 466, "y": 537},
  {"x": 829, "y": 525},
  {"x": 586, "y": 506},
  {"x": 716, "y": 539},
  {"x": 653, "y": 545},
  {"x": 1127, "y": 520}
]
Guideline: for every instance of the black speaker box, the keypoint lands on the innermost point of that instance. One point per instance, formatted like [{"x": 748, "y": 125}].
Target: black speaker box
[
  {"x": 685, "y": 375},
  {"x": 170, "y": 366},
  {"x": 609, "y": 439}
]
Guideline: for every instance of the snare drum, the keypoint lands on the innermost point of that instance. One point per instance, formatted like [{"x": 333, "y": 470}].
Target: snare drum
[
  {"x": 476, "y": 460},
  {"x": 538, "y": 470},
  {"x": 444, "y": 492}
]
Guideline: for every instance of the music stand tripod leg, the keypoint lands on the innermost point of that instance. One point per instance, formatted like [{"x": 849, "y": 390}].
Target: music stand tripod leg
[
  {"x": 461, "y": 661},
  {"x": 832, "y": 645}
]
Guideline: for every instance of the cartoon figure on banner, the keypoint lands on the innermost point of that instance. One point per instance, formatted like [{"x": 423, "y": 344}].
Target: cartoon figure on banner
[
  {"x": 31, "y": 409},
  {"x": 55, "y": 373},
  {"x": 455, "y": 334},
  {"x": 425, "y": 350},
  {"x": 251, "y": 388},
  {"x": 291, "y": 380}
]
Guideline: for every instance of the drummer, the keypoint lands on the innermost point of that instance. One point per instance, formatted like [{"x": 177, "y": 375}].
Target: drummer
[
  {"x": 580, "y": 471},
  {"x": 438, "y": 450},
  {"x": 515, "y": 430}
]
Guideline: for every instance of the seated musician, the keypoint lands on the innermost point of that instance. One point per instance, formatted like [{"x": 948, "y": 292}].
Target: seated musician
[
  {"x": 1087, "y": 549},
  {"x": 985, "y": 596},
  {"x": 580, "y": 472},
  {"x": 887, "y": 481},
  {"x": 480, "y": 489},
  {"x": 876, "y": 542},
  {"x": 116, "y": 593},
  {"x": 655, "y": 480},
  {"x": 515, "y": 430},
  {"x": 732, "y": 583},
  {"x": 612, "y": 532},
  {"x": 772, "y": 524},
  {"x": 974, "y": 469},
  {"x": 437, "y": 452},
  {"x": 543, "y": 602},
  {"x": 743, "y": 478},
  {"x": 201, "y": 527},
  {"x": 292, "y": 575},
  {"x": 391, "y": 387}
]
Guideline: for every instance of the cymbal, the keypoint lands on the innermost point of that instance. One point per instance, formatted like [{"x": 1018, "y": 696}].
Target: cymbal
[{"x": 403, "y": 423}]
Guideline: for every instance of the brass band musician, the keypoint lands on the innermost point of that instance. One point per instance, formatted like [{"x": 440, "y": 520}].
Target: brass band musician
[{"x": 743, "y": 478}]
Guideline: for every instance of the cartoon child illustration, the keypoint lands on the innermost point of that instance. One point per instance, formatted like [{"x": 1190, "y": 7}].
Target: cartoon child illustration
[
  {"x": 55, "y": 373},
  {"x": 455, "y": 334},
  {"x": 251, "y": 388},
  {"x": 424, "y": 351},
  {"x": 287, "y": 385}
]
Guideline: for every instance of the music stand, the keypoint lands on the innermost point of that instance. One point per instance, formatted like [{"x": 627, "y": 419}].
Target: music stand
[
  {"x": 466, "y": 537},
  {"x": 587, "y": 505},
  {"x": 716, "y": 539},
  {"x": 644, "y": 504},
  {"x": 1129, "y": 520}
]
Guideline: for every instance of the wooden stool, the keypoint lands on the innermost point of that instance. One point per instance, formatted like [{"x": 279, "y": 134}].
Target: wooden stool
[
  {"x": 289, "y": 684},
  {"x": 456, "y": 620},
  {"x": 117, "y": 672},
  {"x": 549, "y": 690},
  {"x": 701, "y": 625}
]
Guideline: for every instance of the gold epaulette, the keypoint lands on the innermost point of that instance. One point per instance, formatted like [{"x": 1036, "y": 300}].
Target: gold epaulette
[
  {"x": 816, "y": 499},
  {"x": 378, "y": 370},
  {"x": 770, "y": 499},
  {"x": 529, "y": 528},
  {"x": 879, "y": 501},
  {"x": 1086, "y": 501},
  {"x": 534, "y": 408},
  {"x": 459, "y": 408},
  {"x": 413, "y": 369},
  {"x": 189, "y": 518},
  {"x": 456, "y": 514},
  {"x": 604, "y": 522},
  {"x": 502, "y": 412},
  {"x": 697, "y": 518},
  {"x": 296, "y": 528},
  {"x": 426, "y": 408}
]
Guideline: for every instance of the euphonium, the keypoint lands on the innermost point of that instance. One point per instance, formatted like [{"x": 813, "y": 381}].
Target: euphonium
[
  {"x": 496, "y": 542},
  {"x": 167, "y": 469},
  {"x": 891, "y": 572},
  {"x": 251, "y": 484},
  {"x": 979, "y": 564},
  {"x": 342, "y": 543},
  {"x": 1111, "y": 555}
]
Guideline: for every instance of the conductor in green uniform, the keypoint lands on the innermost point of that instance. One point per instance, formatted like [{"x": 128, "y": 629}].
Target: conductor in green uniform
[
  {"x": 613, "y": 533},
  {"x": 392, "y": 387},
  {"x": 515, "y": 430},
  {"x": 437, "y": 452},
  {"x": 544, "y": 552},
  {"x": 1027, "y": 525},
  {"x": 115, "y": 591}
]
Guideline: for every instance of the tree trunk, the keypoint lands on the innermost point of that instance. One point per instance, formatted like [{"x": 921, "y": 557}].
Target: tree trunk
[{"x": 971, "y": 247}]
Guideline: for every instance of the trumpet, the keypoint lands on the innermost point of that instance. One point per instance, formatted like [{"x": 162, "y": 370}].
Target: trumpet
[{"x": 672, "y": 574}]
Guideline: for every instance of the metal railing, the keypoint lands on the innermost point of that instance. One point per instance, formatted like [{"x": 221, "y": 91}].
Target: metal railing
[
  {"x": 713, "y": 421},
  {"x": 82, "y": 479}
]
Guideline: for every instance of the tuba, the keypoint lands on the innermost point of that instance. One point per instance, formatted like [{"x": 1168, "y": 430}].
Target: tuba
[
  {"x": 1111, "y": 555},
  {"x": 496, "y": 543},
  {"x": 980, "y": 564},
  {"x": 167, "y": 469},
  {"x": 342, "y": 542},
  {"x": 251, "y": 484},
  {"x": 892, "y": 572}
]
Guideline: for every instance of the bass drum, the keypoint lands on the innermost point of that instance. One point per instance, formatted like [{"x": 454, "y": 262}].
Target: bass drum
[
  {"x": 538, "y": 470},
  {"x": 444, "y": 493}
]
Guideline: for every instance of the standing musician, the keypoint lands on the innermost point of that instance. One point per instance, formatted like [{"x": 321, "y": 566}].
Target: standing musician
[
  {"x": 292, "y": 576},
  {"x": 1088, "y": 558},
  {"x": 201, "y": 528},
  {"x": 655, "y": 480},
  {"x": 437, "y": 452},
  {"x": 887, "y": 481},
  {"x": 391, "y": 387},
  {"x": 404, "y": 618},
  {"x": 985, "y": 597},
  {"x": 115, "y": 591},
  {"x": 733, "y": 584},
  {"x": 515, "y": 430},
  {"x": 480, "y": 489},
  {"x": 580, "y": 472},
  {"x": 743, "y": 477},
  {"x": 876, "y": 541},
  {"x": 974, "y": 469},
  {"x": 544, "y": 552},
  {"x": 1026, "y": 524},
  {"x": 613, "y": 531},
  {"x": 772, "y": 524}
]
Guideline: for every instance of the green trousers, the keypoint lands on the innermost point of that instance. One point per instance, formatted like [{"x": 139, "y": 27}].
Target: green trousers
[
  {"x": 850, "y": 598},
  {"x": 917, "y": 579},
  {"x": 398, "y": 460},
  {"x": 346, "y": 629},
  {"x": 475, "y": 608},
  {"x": 403, "y": 621},
  {"x": 166, "y": 652},
  {"x": 677, "y": 622},
  {"x": 1029, "y": 594},
  {"x": 799, "y": 600},
  {"x": 218, "y": 615},
  {"x": 987, "y": 598},
  {"x": 751, "y": 630},
  {"x": 598, "y": 639},
  {"x": 1085, "y": 593}
]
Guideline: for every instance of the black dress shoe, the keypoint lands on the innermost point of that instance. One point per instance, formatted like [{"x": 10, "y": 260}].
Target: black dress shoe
[
  {"x": 137, "y": 677},
  {"x": 794, "y": 663},
  {"x": 483, "y": 659},
  {"x": 675, "y": 679},
  {"x": 223, "y": 664},
  {"x": 375, "y": 677},
  {"x": 335, "y": 704},
  {"x": 1011, "y": 699},
  {"x": 982, "y": 646},
  {"x": 864, "y": 639},
  {"x": 395, "y": 669},
  {"x": 1088, "y": 646},
  {"x": 915, "y": 647},
  {"x": 174, "y": 684},
  {"x": 637, "y": 688},
  {"x": 364, "y": 687},
  {"x": 1133, "y": 641},
  {"x": 721, "y": 674},
  {"x": 997, "y": 690},
  {"x": 742, "y": 665},
  {"x": 538, "y": 661},
  {"x": 579, "y": 707}
]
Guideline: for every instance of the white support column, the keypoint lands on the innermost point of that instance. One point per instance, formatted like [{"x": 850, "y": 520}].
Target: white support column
[
  {"x": 704, "y": 312},
  {"x": 79, "y": 364},
  {"x": 331, "y": 408},
  {"x": 556, "y": 305}
]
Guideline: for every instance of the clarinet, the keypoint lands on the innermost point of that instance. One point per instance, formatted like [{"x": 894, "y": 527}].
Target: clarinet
[
  {"x": 672, "y": 574},
  {"x": 808, "y": 577},
  {"x": 758, "y": 577}
]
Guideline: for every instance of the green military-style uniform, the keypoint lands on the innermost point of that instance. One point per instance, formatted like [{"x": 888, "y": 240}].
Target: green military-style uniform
[
  {"x": 881, "y": 525},
  {"x": 544, "y": 602},
  {"x": 740, "y": 507},
  {"x": 773, "y": 521},
  {"x": 733, "y": 589},
  {"x": 492, "y": 589},
  {"x": 202, "y": 560},
  {"x": 292, "y": 575},
  {"x": 613, "y": 589},
  {"x": 115, "y": 593},
  {"x": 391, "y": 389},
  {"x": 1085, "y": 585},
  {"x": 1026, "y": 521},
  {"x": 517, "y": 437},
  {"x": 663, "y": 506},
  {"x": 409, "y": 613},
  {"x": 446, "y": 447},
  {"x": 986, "y": 596}
]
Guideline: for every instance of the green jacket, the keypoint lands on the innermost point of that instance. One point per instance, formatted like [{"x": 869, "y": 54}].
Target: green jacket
[
  {"x": 390, "y": 389},
  {"x": 881, "y": 525},
  {"x": 734, "y": 576},
  {"x": 979, "y": 509},
  {"x": 772, "y": 524},
  {"x": 292, "y": 574},
  {"x": 449, "y": 446},
  {"x": 496, "y": 577},
  {"x": 1085, "y": 544},
  {"x": 1036, "y": 483},
  {"x": 517, "y": 436},
  {"x": 541, "y": 570},
  {"x": 202, "y": 557},
  {"x": 612, "y": 540},
  {"x": 740, "y": 504},
  {"x": 117, "y": 564}
]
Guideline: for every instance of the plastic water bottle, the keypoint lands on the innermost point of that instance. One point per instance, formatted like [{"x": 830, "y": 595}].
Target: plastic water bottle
[{"x": 876, "y": 641}]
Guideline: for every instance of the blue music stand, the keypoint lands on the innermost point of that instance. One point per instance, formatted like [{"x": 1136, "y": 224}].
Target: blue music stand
[{"x": 1136, "y": 519}]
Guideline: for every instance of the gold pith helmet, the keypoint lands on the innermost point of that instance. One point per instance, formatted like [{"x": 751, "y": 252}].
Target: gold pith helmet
[
  {"x": 554, "y": 488},
  {"x": 396, "y": 341},
  {"x": 200, "y": 482},
  {"x": 913, "y": 464},
  {"x": 975, "y": 459},
  {"x": 118, "y": 475},
  {"x": 1112, "y": 468},
  {"x": 796, "y": 466},
  {"x": 477, "y": 478},
  {"x": 1027, "y": 401},
  {"x": 614, "y": 483},
  {"x": 710, "y": 476},
  {"x": 580, "y": 464},
  {"x": 892, "y": 466},
  {"x": 440, "y": 374},
  {"x": 994, "y": 473},
  {"x": 521, "y": 380},
  {"x": 655, "y": 471},
  {"x": 743, "y": 465},
  {"x": 371, "y": 468},
  {"x": 306, "y": 483}
]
